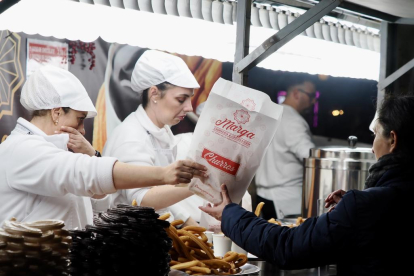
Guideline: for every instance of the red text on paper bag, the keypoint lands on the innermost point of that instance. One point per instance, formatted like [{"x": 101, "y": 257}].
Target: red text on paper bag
[
  {"x": 234, "y": 131},
  {"x": 220, "y": 162}
]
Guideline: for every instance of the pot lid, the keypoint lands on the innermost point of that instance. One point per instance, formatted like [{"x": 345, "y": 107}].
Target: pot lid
[
  {"x": 338, "y": 152},
  {"x": 347, "y": 164}
]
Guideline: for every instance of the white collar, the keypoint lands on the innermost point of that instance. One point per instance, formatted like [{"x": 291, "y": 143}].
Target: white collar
[
  {"x": 291, "y": 108},
  {"x": 25, "y": 127},
  {"x": 163, "y": 134}
]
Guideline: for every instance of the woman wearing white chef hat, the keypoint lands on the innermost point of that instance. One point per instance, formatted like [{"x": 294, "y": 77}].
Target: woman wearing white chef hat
[
  {"x": 41, "y": 179},
  {"x": 166, "y": 86}
]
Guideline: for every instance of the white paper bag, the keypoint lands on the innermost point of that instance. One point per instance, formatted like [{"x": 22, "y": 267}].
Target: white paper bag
[{"x": 231, "y": 137}]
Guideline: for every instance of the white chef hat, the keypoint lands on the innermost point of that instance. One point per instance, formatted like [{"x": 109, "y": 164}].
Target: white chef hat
[
  {"x": 155, "y": 67},
  {"x": 52, "y": 87}
]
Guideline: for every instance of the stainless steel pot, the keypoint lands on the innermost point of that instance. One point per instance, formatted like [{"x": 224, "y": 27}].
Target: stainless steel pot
[{"x": 331, "y": 168}]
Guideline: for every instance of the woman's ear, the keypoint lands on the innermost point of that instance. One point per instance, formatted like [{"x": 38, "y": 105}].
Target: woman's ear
[
  {"x": 393, "y": 141},
  {"x": 153, "y": 93},
  {"x": 55, "y": 114}
]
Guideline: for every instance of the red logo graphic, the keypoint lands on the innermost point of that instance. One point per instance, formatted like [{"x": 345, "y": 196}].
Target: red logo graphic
[
  {"x": 220, "y": 162},
  {"x": 249, "y": 104},
  {"x": 241, "y": 116}
]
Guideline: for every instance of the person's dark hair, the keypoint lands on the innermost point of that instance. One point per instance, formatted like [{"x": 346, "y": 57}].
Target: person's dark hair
[
  {"x": 397, "y": 114},
  {"x": 43, "y": 112},
  {"x": 162, "y": 87},
  {"x": 297, "y": 79}
]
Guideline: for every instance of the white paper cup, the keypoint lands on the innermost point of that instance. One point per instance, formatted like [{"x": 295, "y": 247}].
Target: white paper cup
[
  {"x": 238, "y": 249},
  {"x": 209, "y": 235},
  {"x": 222, "y": 245}
]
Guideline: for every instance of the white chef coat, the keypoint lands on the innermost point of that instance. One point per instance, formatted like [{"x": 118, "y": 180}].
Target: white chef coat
[
  {"x": 280, "y": 174},
  {"x": 137, "y": 140},
  {"x": 40, "y": 179}
]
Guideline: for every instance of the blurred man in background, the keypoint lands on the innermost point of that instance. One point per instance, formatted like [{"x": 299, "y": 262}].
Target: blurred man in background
[{"x": 279, "y": 177}]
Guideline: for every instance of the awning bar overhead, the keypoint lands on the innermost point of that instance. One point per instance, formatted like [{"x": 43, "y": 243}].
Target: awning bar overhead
[
  {"x": 405, "y": 21},
  {"x": 338, "y": 12},
  {"x": 355, "y": 9},
  {"x": 369, "y": 12},
  {"x": 182, "y": 34},
  {"x": 286, "y": 34},
  {"x": 224, "y": 12}
]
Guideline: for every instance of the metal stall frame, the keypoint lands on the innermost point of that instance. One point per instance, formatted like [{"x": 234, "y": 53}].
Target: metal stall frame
[
  {"x": 244, "y": 61},
  {"x": 387, "y": 78}
]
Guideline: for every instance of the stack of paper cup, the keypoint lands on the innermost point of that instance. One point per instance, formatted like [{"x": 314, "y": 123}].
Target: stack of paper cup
[
  {"x": 222, "y": 245},
  {"x": 209, "y": 235}
]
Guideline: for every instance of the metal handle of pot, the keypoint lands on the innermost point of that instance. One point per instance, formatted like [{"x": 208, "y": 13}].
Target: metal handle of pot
[
  {"x": 352, "y": 141},
  {"x": 319, "y": 206}
]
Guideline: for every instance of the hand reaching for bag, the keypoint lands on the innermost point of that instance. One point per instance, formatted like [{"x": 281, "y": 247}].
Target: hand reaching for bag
[
  {"x": 216, "y": 210},
  {"x": 182, "y": 171}
]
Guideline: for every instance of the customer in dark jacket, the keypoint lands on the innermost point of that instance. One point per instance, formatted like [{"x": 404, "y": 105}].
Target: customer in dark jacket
[{"x": 365, "y": 232}]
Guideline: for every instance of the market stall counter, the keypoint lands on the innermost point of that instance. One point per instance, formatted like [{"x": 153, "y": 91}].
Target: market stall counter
[
  {"x": 268, "y": 269},
  {"x": 262, "y": 268}
]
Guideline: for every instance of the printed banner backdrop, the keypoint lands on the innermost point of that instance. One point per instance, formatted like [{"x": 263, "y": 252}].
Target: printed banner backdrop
[
  {"x": 12, "y": 77},
  {"x": 13, "y": 70},
  {"x": 41, "y": 52},
  {"x": 108, "y": 84}
]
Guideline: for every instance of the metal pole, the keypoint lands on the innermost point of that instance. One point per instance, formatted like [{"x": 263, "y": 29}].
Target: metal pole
[
  {"x": 242, "y": 39},
  {"x": 384, "y": 59},
  {"x": 396, "y": 75}
]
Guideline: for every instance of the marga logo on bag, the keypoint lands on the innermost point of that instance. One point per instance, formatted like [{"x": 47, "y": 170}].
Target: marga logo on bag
[
  {"x": 241, "y": 117},
  {"x": 220, "y": 162}
]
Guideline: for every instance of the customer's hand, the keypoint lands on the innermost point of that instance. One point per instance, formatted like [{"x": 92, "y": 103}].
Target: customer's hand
[
  {"x": 77, "y": 142},
  {"x": 216, "y": 210},
  {"x": 182, "y": 171},
  {"x": 333, "y": 198}
]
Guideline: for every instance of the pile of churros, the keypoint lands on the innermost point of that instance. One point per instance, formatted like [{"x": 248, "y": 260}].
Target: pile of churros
[
  {"x": 258, "y": 210},
  {"x": 299, "y": 221},
  {"x": 192, "y": 253}
]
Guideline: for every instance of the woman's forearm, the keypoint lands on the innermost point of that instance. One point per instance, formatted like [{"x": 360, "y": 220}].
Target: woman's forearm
[
  {"x": 127, "y": 176},
  {"x": 164, "y": 196}
]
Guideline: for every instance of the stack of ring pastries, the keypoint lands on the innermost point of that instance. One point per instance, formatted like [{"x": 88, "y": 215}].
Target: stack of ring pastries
[
  {"x": 192, "y": 253},
  {"x": 126, "y": 240},
  {"x": 34, "y": 248}
]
